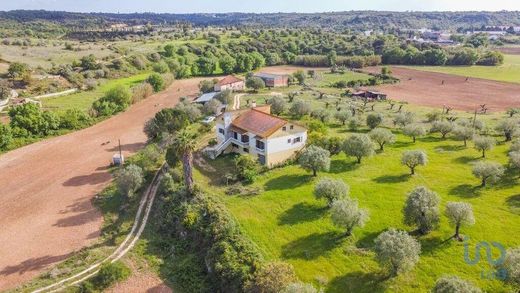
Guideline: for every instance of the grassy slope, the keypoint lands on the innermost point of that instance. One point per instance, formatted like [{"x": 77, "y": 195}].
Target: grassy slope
[
  {"x": 288, "y": 223},
  {"x": 83, "y": 100},
  {"x": 509, "y": 71}
]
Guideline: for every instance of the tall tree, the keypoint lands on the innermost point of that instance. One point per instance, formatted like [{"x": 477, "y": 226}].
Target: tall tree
[{"x": 182, "y": 149}]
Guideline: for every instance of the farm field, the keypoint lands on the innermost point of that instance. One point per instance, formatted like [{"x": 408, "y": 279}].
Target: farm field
[
  {"x": 508, "y": 72},
  {"x": 289, "y": 224},
  {"x": 54, "y": 202}
]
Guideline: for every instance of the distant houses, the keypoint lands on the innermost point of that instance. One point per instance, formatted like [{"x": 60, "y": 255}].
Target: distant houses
[
  {"x": 230, "y": 82},
  {"x": 274, "y": 80},
  {"x": 370, "y": 95}
]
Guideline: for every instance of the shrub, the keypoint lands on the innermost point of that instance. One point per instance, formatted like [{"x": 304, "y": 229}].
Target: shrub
[
  {"x": 273, "y": 277},
  {"x": 29, "y": 119},
  {"x": 247, "y": 168},
  {"x": 346, "y": 214},
  {"x": 422, "y": 209},
  {"x": 374, "y": 120},
  {"x": 129, "y": 179},
  {"x": 6, "y": 136},
  {"x": 109, "y": 274},
  {"x": 17, "y": 70},
  {"x": 213, "y": 107},
  {"x": 156, "y": 81},
  {"x": 414, "y": 158},
  {"x": 314, "y": 158},
  {"x": 454, "y": 284},
  {"x": 359, "y": 146},
  {"x": 511, "y": 266},
  {"x": 397, "y": 251},
  {"x": 331, "y": 190},
  {"x": 74, "y": 119},
  {"x": 278, "y": 105},
  {"x": 115, "y": 100},
  {"x": 255, "y": 83},
  {"x": 141, "y": 92},
  {"x": 299, "y": 288}
]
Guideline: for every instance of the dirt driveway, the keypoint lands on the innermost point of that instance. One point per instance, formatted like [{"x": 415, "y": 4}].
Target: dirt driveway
[
  {"x": 439, "y": 89},
  {"x": 46, "y": 188}
]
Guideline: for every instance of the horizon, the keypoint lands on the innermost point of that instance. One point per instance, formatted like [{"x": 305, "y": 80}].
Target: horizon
[{"x": 267, "y": 6}]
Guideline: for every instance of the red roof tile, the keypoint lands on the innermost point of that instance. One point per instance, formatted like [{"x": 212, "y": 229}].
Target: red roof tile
[
  {"x": 258, "y": 123},
  {"x": 229, "y": 80}
]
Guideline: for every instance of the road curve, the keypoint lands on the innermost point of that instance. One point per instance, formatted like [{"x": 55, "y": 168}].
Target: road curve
[{"x": 46, "y": 188}]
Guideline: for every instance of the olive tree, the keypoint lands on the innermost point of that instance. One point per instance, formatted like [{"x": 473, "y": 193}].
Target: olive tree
[
  {"x": 414, "y": 131},
  {"x": 488, "y": 172},
  {"x": 397, "y": 251},
  {"x": 374, "y": 120},
  {"x": 459, "y": 214},
  {"x": 300, "y": 108},
  {"x": 483, "y": 144},
  {"x": 422, "y": 209},
  {"x": 514, "y": 159},
  {"x": 331, "y": 190},
  {"x": 129, "y": 179},
  {"x": 212, "y": 107},
  {"x": 278, "y": 105},
  {"x": 346, "y": 214},
  {"x": 255, "y": 83},
  {"x": 508, "y": 127},
  {"x": 359, "y": 146},
  {"x": 382, "y": 136},
  {"x": 403, "y": 119},
  {"x": 443, "y": 127},
  {"x": 315, "y": 158},
  {"x": 343, "y": 116},
  {"x": 511, "y": 265},
  {"x": 414, "y": 158},
  {"x": 464, "y": 133},
  {"x": 454, "y": 284}
]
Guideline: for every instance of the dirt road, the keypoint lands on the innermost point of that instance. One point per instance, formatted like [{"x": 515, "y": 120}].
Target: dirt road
[
  {"x": 439, "y": 89},
  {"x": 46, "y": 188}
]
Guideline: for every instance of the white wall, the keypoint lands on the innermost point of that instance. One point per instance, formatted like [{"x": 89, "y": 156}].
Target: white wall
[{"x": 280, "y": 144}]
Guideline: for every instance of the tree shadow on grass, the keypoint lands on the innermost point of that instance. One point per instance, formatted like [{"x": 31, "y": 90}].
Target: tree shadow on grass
[
  {"x": 449, "y": 148},
  {"x": 392, "y": 178},
  {"x": 402, "y": 144},
  {"x": 431, "y": 244},
  {"x": 368, "y": 240},
  {"x": 465, "y": 190},
  {"x": 312, "y": 246},
  {"x": 301, "y": 212},
  {"x": 514, "y": 204},
  {"x": 508, "y": 180},
  {"x": 464, "y": 159},
  {"x": 287, "y": 182},
  {"x": 341, "y": 165},
  {"x": 372, "y": 282}
]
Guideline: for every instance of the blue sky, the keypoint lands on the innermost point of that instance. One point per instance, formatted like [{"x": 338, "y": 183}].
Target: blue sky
[{"x": 186, "y": 6}]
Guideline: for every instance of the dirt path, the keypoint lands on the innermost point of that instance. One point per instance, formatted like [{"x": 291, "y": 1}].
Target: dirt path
[
  {"x": 439, "y": 89},
  {"x": 46, "y": 188}
]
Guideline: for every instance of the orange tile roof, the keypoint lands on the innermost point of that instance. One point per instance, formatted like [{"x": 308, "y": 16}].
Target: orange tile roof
[
  {"x": 229, "y": 80},
  {"x": 258, "y": 123}
]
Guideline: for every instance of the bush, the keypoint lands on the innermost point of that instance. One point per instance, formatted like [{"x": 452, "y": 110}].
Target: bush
[
  {"x": 6, "y": 136},
  {"x": 331, "y": 190},
  {"x": 278, "y": 105},
  {"x": 273, "y": 278},
  {"x": 109, "y": 274},
  {"x": 511, "y": 266},
  {"x": 17, "y": 70},
  {"x": 129, "y": 180},
  {"x": 255, "y": 83},
  {"x": 454, "y": 284},
  {"x": 247, "y": 168},
  {"x": 156, "y": 81},
  {"x": 74, "y": 119},
  {"x": 115, "y": 100},
  {"x": 29, "y": 119},
  {"x": 299, "y": 288},
  {"x": 141, "y": 92}
]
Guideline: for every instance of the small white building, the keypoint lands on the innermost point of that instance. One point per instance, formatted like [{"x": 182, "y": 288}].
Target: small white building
[
  {"x": 272, "y": 140},
  {"x": 230, "y": 82}
]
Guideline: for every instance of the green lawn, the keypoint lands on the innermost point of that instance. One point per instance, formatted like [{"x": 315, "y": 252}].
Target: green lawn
[
  {"x": 289, "y": 224},
  {"x": 83, "y": 100},
  {"x": 509, "y": 71}
]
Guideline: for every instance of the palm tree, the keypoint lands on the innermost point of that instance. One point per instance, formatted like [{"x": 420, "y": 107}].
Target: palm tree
[{"x": 183, "y": 145}]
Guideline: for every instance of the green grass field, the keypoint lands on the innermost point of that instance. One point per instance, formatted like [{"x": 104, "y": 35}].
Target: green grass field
[
  {"x": 83, "y": 100},
  {"x": 289, "y": 224},
  {"x": 509, "y": 71}
]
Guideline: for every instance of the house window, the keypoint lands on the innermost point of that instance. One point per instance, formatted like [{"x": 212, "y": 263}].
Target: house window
[
  {"x": 261, "y": 159},
  {"x": 292, "y": 127},
  {"x": 260, "y": 145},
  {"x": 245, "y": 138},
  {"x": 235, "y": 135},
  {"x": 289, "y": 140},
  {"x": 284, "y": 128},
  {"x": 298, "y": 139},
  {"x": 221, "y": 131},
  {"x": 246, "y": 150}
]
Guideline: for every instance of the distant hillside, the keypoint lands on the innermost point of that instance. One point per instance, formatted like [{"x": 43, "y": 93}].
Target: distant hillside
[{"x": 357, "y": 20}]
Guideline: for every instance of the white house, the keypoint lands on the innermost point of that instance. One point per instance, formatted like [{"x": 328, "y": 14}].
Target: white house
[
  {"x": 230, "y": 82},
  {"x": 255, "y": 131}
]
